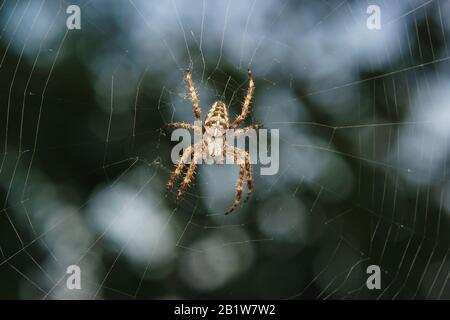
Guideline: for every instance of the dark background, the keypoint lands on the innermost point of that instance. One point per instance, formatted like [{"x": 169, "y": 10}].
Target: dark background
[{"x": 85, "y": 152}]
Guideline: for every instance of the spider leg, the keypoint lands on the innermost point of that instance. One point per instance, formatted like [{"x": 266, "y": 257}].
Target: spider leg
[
  {"x": 193, "y": 92},
  {"x": 245, "y": 171},
  {"x": 179, "y": 168},
  {"x": 239, "y": 132},
  {"x": 249, "y": 170},
  {"x": 246, "y": 104},
  {"x": 188, "y": 177},
  {"x": 182, "y": 125},
  {"x": 239, "y": 188}
]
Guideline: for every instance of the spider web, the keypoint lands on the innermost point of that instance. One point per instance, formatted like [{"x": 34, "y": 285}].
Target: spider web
[{"x": 362, "y": 179}]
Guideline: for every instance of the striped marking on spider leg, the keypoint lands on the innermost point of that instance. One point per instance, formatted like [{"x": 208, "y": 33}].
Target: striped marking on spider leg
[
  {"x": 188, "y": 178},
  {"x": 182, "y": 125},
  {"x": 179, "y": 167},
  {"x": 256, "y": 126},
  {"x": 239, "y": 188},
  {"x": 249, "y": 171},
  {"x": 247, "y": 101},
  {"x": 193, "y": 92}
]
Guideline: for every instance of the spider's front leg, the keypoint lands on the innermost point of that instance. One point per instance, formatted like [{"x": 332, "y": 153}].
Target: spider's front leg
[
  {"x": 249, "y": 171},
  {"x": 179, "y": 168},
  {"x": 190, "y": 172},
  {"x": 247, "y": 101},
  {"x": 239, "y": 188},
  {"x": 242, "y": 158}
]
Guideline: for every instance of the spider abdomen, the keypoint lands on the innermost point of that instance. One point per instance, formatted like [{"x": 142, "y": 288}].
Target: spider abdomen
[
  {"x": 216, "y": 124},
  {"x": 217, "y": 116}
]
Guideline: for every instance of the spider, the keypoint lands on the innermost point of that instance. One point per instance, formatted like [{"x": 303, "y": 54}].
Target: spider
[{"x": 211, "y": 147}]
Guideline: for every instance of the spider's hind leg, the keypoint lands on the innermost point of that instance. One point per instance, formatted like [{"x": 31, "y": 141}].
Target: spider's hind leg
[
  {"x": 193, "y": 92},
  {"x": 247, "y": 101},
  {"x": 242, "y": 131},
  {"x": 180, "y": 125}
]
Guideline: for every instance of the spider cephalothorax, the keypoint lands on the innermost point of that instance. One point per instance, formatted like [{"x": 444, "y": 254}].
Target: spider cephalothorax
[{"x": 212, "y": 147}]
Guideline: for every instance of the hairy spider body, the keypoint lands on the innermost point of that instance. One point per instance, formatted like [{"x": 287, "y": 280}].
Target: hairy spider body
[
  {"x": 215, "y": 124},
  {"x": 212, "y": 148},
  {"x": 217, "y": 116}
]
